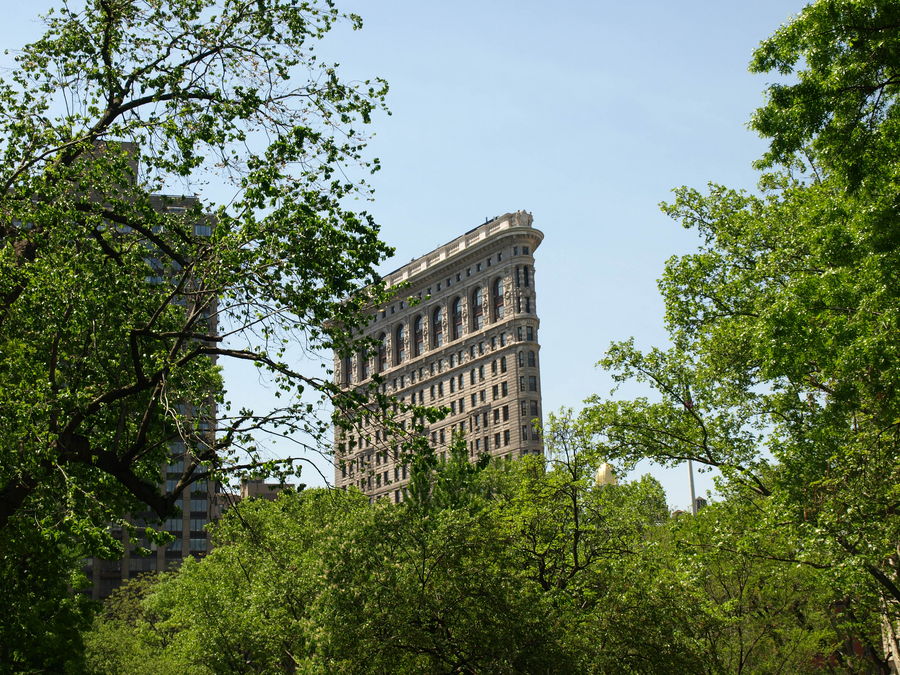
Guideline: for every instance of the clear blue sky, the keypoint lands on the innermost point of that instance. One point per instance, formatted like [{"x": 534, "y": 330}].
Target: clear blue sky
[{"x": 586, "y": 114}]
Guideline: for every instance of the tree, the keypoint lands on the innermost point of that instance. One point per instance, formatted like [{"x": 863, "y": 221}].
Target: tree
[
  {"x": 783, "y": 371},
  {"x": 109, "y": 295}
]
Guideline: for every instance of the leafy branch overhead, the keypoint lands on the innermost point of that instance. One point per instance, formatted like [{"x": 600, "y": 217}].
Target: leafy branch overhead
[
  {"x": 783, "y": 370},
  {"x": 118, "y": 304}
]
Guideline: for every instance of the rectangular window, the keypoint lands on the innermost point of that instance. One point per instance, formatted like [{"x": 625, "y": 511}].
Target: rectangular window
[
  {"x": 503, "y": 339},
  {"x": 529, "y": 333},
  {"x": 494, "y": 367},
  {"x": 524, "y": 432},
  {"x": 460, "y": 380},
  {"x": 524, "y": 408},
  {"x": 506, "y": 437},
  {"x": 481, "y": 373},
  {"x": 496, "y": 415},
  {"x": 432, "y": 393},
  {"x": 534, "y": 408},
  {"x": 528, "y": 305},
  {"x": 442, "y": 436},
  {"x": 532, "y": 383},
  {"x": 462, "y": 404},
  {"x": 440, "y": 388},
  {"x": 481, "y": 396},
  {"x": 504, "y": 390},
  {"x": 505, "y": 413},
  {"x": 519, "y": 333},
  {"x": 484, "y": 418},
  {"x": 497, "y": 440},
  {"x": 474, "y": 400},
  {"x": 472, "y": 376},
  {"x": 495, "y": 392},
  {"x": 502, "y": 364},
  {"x": 452, "y": 384},
  {"x": 452, "y": 407},
  {"x": 477, "y": 445},
  {"x": 521, "y": 383}
]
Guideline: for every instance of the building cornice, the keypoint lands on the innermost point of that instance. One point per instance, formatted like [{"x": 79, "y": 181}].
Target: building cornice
[{"x": 416, "y": 271}]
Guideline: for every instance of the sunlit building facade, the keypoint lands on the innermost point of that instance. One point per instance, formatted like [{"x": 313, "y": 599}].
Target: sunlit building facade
[{"x": 468, "y": 342}]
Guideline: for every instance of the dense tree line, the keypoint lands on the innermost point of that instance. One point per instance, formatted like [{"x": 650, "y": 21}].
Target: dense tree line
[{"x": 518, "y": 568}]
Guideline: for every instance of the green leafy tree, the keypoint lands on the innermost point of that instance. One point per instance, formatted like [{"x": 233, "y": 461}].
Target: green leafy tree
[
  {"x": 784, "y": 323},
  {"x": 510, "y": 569},
  {"x": 117, "y": 306}
]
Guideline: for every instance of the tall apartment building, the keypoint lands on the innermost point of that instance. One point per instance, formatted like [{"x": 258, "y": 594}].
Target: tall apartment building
[
  {"x": 469, "y": 343},
  {"x": 199, "y": 505}
]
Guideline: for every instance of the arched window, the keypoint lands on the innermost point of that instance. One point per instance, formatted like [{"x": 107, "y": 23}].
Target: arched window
[
  {"x": 521, "y": 357},
  {"x": 437, "y": 327},
  {"x": 382, "y": 353},
  {"x": 399, "y": 345},
  {"x": 497, "y": 293},
  {"x": 418, "y": 336},
  {"x": 456, "y": 323},
  {"x": 477, "y": 309},
  {"x": 362, "y": 362}
]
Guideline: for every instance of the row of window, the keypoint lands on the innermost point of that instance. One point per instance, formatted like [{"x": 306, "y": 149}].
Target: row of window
[
  {"x": 478, "y": 315},
  {"x": 528, "y": 409},
  {"x": 523, "y": 333},
  {"x": 478, "y": 267},
  {"x": 436, "y": 367}
]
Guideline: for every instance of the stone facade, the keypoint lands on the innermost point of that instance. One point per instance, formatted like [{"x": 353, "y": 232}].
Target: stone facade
[{"x": 469, "y": 343}]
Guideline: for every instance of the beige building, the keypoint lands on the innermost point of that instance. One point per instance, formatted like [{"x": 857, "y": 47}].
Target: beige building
[{"x": 469, "y": 343}]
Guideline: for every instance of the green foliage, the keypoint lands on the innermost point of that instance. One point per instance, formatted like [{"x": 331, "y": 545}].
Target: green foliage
[
  {"x": 110, "y": 295},
  {"x": 783, "y": 370},
  {"x": 527, "y": 569}
]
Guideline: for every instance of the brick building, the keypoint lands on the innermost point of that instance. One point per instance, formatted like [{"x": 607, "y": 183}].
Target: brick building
[{"x": 469, "y": 343}]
